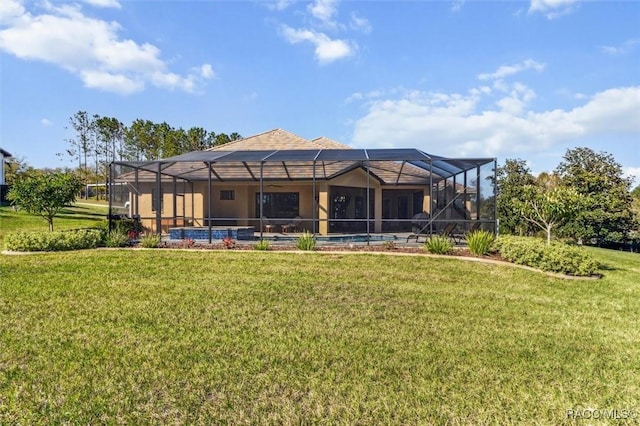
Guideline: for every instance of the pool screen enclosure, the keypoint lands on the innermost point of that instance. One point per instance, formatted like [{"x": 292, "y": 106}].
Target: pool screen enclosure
[{"x": 324, "y": 190}]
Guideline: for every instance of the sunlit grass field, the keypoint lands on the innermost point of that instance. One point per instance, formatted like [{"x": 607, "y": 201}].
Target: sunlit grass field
[
  {"x": 79, "y": 216},
  {"x": 162, "y": 336}
]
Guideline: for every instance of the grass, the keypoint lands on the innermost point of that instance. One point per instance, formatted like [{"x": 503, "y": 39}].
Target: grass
[
  {"x": 78, "y": 216},
  {"x": 165, "y": 336}
]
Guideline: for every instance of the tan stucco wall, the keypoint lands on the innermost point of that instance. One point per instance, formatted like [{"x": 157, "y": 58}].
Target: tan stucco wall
[
  {"x": 243, "y": 206},
  {"x": 185, "y": 204}
]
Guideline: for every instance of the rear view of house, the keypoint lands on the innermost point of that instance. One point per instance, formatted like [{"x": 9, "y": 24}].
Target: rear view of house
[{"x": 278, "y": 181}]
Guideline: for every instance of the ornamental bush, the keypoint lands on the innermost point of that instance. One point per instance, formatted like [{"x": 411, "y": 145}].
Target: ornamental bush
[
  {"x": 150, "y": 241},
  {"x": 480, "y": 242},
  {"x": 557, "y": 257},
  {"x": 116, "y": 239},
  {"x": 54, "y": 241},
  {"x": 262, "y": 245},
  {"x": 306, "y": 241},
  {"x": 438, "y": 244}
]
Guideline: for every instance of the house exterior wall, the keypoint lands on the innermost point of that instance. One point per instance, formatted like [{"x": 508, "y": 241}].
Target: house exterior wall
[
  {"x": 2, "y": 169},
  {"x": 188, "y": 207},
  {"x": 194, "y": 205}
]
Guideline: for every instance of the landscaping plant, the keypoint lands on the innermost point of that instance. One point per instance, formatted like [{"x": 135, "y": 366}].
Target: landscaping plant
[
  {"x": 389, "y": 245},
  {"x": 150, "y": 241},
  {"x": 116, "y": 239},
  {"x": 306, "y": 241},
  {"x": 45, "y": 194},
  {"x": 228, "y": 243},
  {"x": 556, "y": 257},
  {"x": 438, "y": 244},
  {"x": 480, "y": 242},
  {"x": 53, "y": 240},
  {"x": 261, "y": 245},
  {"x": 187, "y": 243}
]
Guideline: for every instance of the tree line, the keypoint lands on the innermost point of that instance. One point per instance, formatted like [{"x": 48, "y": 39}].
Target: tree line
[
  {"x": 106, "y": 139},
  {"x": 98, "y": 141},
  {"x": 586, "y": 198}
]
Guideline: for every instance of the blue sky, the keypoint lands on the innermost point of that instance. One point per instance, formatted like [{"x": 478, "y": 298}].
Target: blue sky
[{"x": 457, "y": 78}]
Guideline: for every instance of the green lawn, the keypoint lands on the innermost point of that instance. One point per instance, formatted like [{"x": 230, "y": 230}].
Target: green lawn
[
  {"x": 78, "y": 216},
  {"x": 162, "y": 336}
]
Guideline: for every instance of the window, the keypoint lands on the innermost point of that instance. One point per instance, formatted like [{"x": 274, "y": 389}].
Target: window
[
  {"x": 285, "y": 205},
  {"x": 227, "y": 194}
]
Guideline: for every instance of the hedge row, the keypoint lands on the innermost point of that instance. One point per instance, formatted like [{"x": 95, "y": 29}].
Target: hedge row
[
  {"x": 54, "y": 241},
  {"x": 557, "y": 257}
]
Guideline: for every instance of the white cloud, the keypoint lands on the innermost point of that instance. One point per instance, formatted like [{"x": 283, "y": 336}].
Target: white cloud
[
  {"x": 110, "y": 82},
  {"x": 457, "y": 5},
  {"x": 104, "y": 3},
  {"x": 632, "y": 172},
  {"x": 46, "y": 122},
  {"x": 324, "y": 10},
  {"x": 323, "y": 14},
  {"x": 88, "y": 47},
  {"x": 326, "y": 49},
  {"x": 279, "y": 4},
  {"x": 552, "y": 8},
  {"x": 509, "y": 70},
  {"x": 360, "y": 23},
  {"x": 454, "y": 124},
  {"x": 10, "y": 10},
  {"x": 359, "y": 96},
  {"x": 206, "y": 71},
  {"x": 622, "y": 49}
]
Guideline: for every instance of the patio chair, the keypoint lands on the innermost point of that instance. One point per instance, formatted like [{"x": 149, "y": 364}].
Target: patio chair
[
  {"x": 293, "y": 226},
  {"x": 448, "y": 232},
  {"x": 474, "y": 227},
  {"x": 268, "y": 226}
]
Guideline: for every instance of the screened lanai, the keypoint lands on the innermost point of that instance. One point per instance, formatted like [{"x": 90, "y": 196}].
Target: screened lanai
[{"x": 322, "y": 191}]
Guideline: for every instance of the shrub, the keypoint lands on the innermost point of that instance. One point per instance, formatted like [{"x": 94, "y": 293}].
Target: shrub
[
  {"x": 261, "y": 245},
  {"x": 437, "y": 244},
  {"x": 187, "y": 243},
  {"x": 571, "y": 260},
  {"x": 389, "y": 245},
  {"x": 228, "y": 243},
  {"x": 54, "y": 241},
  {"x": 557, "y": 257},
  {"x": 480, "y": 242},
  {"x": 150, "y": 241},
  {"x": 116, "y": 239},
  {"x": 306, "y": 241}
]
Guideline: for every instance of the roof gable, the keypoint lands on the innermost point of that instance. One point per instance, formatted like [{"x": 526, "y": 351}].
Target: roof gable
[
  {"x": 276, "y": 139},
  {"x": 327, "y": 143}
]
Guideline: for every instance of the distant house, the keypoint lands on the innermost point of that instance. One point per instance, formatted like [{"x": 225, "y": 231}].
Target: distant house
[
  {"x": 278, "y": 181},
  {"x": 4, "y": 155}
]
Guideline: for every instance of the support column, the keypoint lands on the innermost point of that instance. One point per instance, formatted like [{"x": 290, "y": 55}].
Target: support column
[
  {"x": 261, "y": 199},
  {"x": 159, "y": 200},
  {"x": 478, "y": 202},
  {"x": 175, "y": 201},
  {"x": 110, "y": 189},
  {"x": 377, "y": 209},
  {"x": 323, "y": 209},
  {"x": 209, "y": 208},
  {"x": 368, "y": 199}
]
